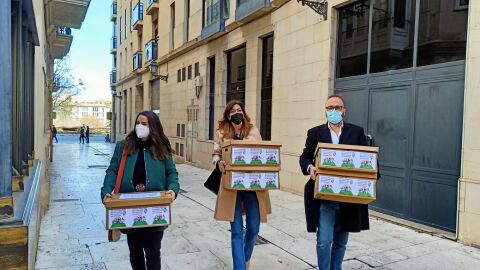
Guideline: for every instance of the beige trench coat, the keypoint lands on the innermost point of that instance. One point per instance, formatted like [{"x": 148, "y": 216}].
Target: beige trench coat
[{"x": 226, "y": 199}]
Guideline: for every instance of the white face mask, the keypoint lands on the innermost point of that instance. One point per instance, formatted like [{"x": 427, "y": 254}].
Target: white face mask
[{"x": 142, "y": 131}]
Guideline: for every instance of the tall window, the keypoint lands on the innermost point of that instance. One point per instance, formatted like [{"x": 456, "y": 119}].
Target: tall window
[
  {"x": 172, "y": 26},
  {"x": 266, "y": 98},
  {"x": 353, "y": 39},
  {"x": 236, "y": 62},
  {"x": 186, "y": 26},
  {"x": 441, "y": 35},
  {"x": 442, "y": 31},
  {"x": 214, "y": 9},
  {"x": 211, "y": 98},
  {"x": 393, "y": 30}
]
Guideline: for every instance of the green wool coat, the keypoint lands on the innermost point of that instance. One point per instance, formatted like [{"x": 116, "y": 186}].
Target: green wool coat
[{"x": 161, "y": 175}]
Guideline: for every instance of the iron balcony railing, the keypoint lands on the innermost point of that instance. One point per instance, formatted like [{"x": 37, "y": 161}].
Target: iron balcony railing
[
  {"x": 137, "y": 13},
  {"x": 114, "y": 8},
  {"x": 113, "y": 77},
  {"x": 137, "y": 60},
  {"x": 150, "y": 2},
  {"x": 151, "y": 50},
  {"x": 114, "y": 42}
]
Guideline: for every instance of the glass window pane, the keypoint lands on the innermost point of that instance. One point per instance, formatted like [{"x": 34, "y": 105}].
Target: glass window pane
[
  {"x": 393, "y": 29},
  {"x": 353, "y": 39},
  {"x": 442, "y": 32},
  {"x": 236, "y": 74}
]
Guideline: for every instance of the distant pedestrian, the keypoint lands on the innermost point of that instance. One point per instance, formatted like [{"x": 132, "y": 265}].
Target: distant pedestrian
[
  {"x": 54, "y": 134},
  {"x": 107, "y": 138},
  {"x": 82, "y": 135},
  {"x": 87, "y": 134}
]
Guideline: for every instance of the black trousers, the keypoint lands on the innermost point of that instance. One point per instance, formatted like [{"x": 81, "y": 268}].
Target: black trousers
[{"x": 145, "y": 246}]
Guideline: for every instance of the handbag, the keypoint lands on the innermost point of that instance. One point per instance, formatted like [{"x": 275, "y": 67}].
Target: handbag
[
  {"x": 213, "y": 181},
  {"x": 114, "y": 235}
]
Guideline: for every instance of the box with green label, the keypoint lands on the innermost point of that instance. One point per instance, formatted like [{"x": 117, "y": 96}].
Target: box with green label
[
  {"x": 251, "y": 180},
  {"x": 251, "y": 165},
  {"x": 345, "y": 189},
  {"x": 346, "y": 173},
  {"x": 239, "y": 154},
  {"x": 138, "y": 210}
]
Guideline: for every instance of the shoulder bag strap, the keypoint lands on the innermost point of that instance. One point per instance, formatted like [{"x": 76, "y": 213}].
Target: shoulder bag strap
[{"x": 121, "y": 169}]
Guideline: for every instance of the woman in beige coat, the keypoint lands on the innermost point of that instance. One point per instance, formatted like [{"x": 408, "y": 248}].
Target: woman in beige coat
[{"x": 231, "y": 204}]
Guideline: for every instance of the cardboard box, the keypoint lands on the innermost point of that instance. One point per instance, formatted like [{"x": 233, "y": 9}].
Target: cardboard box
[
  {"x": 251, "y": 180},
  {"x": 347, "y": 160},
  {"x": 345, "y": 189},
  {"x": 251, "y": 165},
  {"x": 138, "y": 210},
  {"x": 346, "y": 173},
  {"x": 240, "y": 154}
]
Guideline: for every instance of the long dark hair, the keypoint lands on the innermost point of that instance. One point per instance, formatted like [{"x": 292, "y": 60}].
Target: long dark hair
[
  {"x": 159, "y": 140},
  {"x": 226, "y": 125}
]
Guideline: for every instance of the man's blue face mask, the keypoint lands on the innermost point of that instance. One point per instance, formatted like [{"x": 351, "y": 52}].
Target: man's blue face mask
[{"x": 334, "y": 116}]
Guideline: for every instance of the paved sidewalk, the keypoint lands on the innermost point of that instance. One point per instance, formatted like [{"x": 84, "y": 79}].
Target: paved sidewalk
[{"x": 73, "y": 235}]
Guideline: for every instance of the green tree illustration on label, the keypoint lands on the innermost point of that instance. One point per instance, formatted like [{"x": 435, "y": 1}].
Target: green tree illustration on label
[
  {"x": 346, "y": 190},
  {"x": 329, "y": 161},
  {"x": 327, "y": 188},
  {"x": 347, "y": 163},
  {"x": 140, "y": 221},
  {"x": 271, "y": 157},
  {"x": 364, "y": 192},
  {"x": 256, "y": 160},
  {"x": 255, "y": 184},
  {"x": 271, "y": 184},
  {"x": 366, "y": 164},
  {"x": 118, "y": 222},
  {"x": 238, "y": 183},
  {"x": 159, "y": 219},
  {"x": 239, "y": 159}
]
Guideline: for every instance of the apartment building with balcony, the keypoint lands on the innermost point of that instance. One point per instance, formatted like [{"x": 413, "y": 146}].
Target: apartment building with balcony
[
  {"x": 405, "y": 68},
  {"x": 33, "y": 34}
]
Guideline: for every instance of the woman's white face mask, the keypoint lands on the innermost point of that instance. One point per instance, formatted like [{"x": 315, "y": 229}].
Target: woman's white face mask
[{"x": 142, "y": 131}]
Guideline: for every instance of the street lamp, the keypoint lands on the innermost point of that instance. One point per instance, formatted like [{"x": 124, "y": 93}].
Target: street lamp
[{"x": 154, "y": 70}]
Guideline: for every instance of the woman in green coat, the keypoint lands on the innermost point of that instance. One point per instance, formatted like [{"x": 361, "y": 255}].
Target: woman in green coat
[{"x": 149, "y": 167}]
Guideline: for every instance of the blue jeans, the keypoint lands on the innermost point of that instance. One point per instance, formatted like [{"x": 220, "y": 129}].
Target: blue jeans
[
  {"x": 331, "y": 241},
  {"x": 242, "y": 245}
]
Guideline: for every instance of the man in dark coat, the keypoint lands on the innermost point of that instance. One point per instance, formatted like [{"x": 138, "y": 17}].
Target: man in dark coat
[
  {"x": 334, "y": 220},
  {"x": 82, "y": 135}
]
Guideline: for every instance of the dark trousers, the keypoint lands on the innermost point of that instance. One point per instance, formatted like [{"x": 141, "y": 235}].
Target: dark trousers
[
  {"x": 145, "y": 245},
  {"x": 82, "y": 139},
  {"x": 55, "y": 137}
]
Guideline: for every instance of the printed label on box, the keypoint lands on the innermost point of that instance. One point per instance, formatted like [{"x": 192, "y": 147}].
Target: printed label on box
[
  {"x": 367, "y": 161},
  {"x": 239, "y": 156},
  {"x": 364, "y": 188},
  {"x": 140, "y": 195},
  {"x": 328, "y": 157},
  {"x": 238, "y": 180},
  {"x": 255, "y": 156},
  {"x": 348, "y": 159},
  {"x": 138, "y": 217},
  {"x": 346, "y": 186},
  {"x": 271, "y": 156},
  {"x": 270, "y": 180},
  {"x": 254, "y": 180}
]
